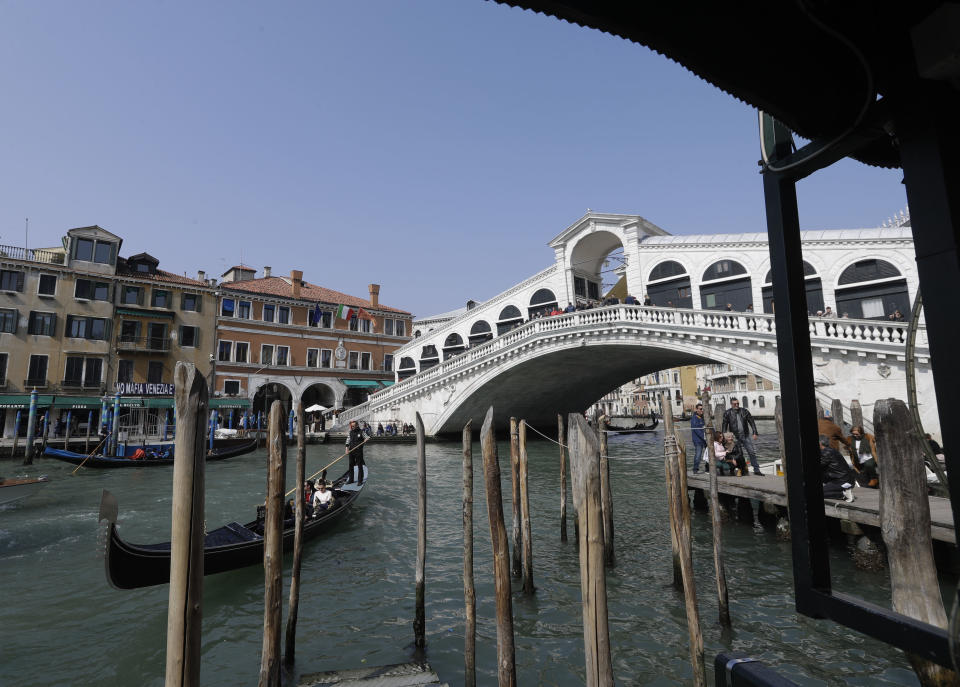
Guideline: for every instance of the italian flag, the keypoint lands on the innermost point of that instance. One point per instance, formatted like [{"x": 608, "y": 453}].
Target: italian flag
[{"x": 344, "y": 312}]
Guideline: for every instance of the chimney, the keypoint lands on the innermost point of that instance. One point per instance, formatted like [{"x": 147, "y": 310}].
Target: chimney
[
  {"x": 213, "y": 281},
  {"x": 266, "y": 272},
  {"x": 296, "y": 277},
  {"x": 374, "y": 295},
  {"x": 201, "y": 276}
]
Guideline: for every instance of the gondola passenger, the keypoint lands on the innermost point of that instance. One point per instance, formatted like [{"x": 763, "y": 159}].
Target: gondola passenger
[{"x": 322, "y": 499}]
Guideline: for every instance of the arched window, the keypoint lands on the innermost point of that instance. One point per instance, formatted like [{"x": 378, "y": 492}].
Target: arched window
[
  {"x": 428, "y": 357},
  {"x": 543, "y": 301},
  {"x": 407, "y": 368},
  {"x": 808, "y": 271},
  {"x": 480, "y": 332},
  {"x": 452, "y": 345},
  {"x": 666, "y": 270},
  {"x": 723, "y": 285},
  {"x": 510, "y": 317},
  {"x": 872, "y": 289},
  {"x": 813, "y": 285}
]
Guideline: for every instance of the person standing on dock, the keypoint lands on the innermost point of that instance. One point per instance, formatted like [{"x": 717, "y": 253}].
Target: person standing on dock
[
  {"x": 699, "y": 440},
  {"x": 738, "y": 420},
  {"x": 355, "y": 439}
]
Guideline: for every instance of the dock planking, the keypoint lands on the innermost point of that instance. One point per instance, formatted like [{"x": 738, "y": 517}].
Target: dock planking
[{"x": 865, "y": 510}]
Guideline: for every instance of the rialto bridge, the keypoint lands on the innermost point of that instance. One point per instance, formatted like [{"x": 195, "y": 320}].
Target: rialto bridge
[{"x": 501, "y": 352}]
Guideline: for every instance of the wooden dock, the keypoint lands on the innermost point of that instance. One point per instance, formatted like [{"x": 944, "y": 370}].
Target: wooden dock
[
  {"x": 864, "y": 510},
  {"x": 399, "y": 675}
]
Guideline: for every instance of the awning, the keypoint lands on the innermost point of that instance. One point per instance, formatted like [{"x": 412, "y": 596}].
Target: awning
[
  {"x": 146, "y": 402},
  {"x": 23, "y": 400},
  {"x": 362, "y": 383},
  {"x": 387, "y": 383},
  {"x": 136, "y": 312},
  {"x": 228, "y": 403},
  {"x": 48, "y": 400},
  {"x": 76, "y": 402}
]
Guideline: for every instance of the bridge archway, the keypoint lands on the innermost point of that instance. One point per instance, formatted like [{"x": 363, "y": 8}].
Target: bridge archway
[
  {"x": 587, "y": 259},
  {"x": 406, "y": 368},
  {"x": 453, "y": 345},
  {"x": 542, "y": 302},
  {"x": 668, "y": 285},
  {"x": 814, "y": 287},
  {"x": 269, "y": 392},
  {"x": 480, "y": 332},
  {"x": 726, "y": 281},
  {"x": 428, "y": 357},
  {"x": 872, "y": 289},
  {"x": 509, "y": 318}
]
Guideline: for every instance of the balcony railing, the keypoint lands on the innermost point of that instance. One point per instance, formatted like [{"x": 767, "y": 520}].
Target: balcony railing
[
  {"x": 32, "y": 254},
  {"x": 35, "y": 384},
  {"x": 151, "y": 344}
]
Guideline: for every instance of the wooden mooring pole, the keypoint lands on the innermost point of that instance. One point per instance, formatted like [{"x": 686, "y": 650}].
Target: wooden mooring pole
[
  {"x": 273, "y": 548},
  {"x": 836, "y": 411},
  {"x": 517, "y": 560},
  {"x": 290, "y": 647},
  {"x": 856, "y": 413},
  {"x": 723, "y": 599},
  {"x": 184, "y": 606},
  {"x": 419, "y": 621},
  {"x": 562, "y": 440},
  {"x": 606, "y": 498},
  {"x": 585, "y": 472},
  {"x": 668, "y": 477},
  {"x": 525, "y": 530},
  {"x": 506, "y": 663},
  {"x": 905, "y": 525},
  {"x": 778, "y": 419},
  {"x": 469, "y": 591}
]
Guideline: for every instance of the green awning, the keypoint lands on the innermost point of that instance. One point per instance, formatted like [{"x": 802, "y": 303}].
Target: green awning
[
  {"x": 146, "y": 402},
  {"x": 362, "y": 383},
  {"x": 76, "y": 402},
  {"x": 136, "y": 312},
  {"x": 228, "y": 403},
  {"x": 387, "y": 382},
  {"x": 23, "y": 400}
]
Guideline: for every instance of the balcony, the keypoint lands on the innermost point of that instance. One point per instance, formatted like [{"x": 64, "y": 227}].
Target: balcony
[
  {"x": 29, "y": 384},
  {"x": 32, "y": 254},
  {"x": 146, "y": 344}
]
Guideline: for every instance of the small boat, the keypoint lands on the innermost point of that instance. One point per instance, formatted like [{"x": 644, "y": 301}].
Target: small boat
[
  {"x": 622, "y": 427},
  {"x": 16, "y": 488},
  {"x": 150, "y": 460},
  {"x": 233, "y": 546}
]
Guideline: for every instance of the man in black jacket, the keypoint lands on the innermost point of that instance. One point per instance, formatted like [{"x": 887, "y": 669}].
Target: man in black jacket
[
  {"x": 355, "y": 439},
  {"x": 838, "y": 477},
  {"x": 739, "y": 420}
]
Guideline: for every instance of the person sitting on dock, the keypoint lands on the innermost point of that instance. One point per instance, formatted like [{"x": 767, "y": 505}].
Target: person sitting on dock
[
  {"x": 696, "y": 432},
  {"x": 734, "y": 457},
  {"x": 838, "y": 478},
  {"x": 739, "y": 420},
  {"x": 379, "y": 429},
  {"x": 322, "y": 498},
  {"x": 720, "y": 453},
  {"x": 863, "y": 457}
]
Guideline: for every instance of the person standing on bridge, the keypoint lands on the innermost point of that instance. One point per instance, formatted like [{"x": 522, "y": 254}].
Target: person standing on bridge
[
  {"x": 738, "y": 420},
  {"x": 699, "y": 440}
]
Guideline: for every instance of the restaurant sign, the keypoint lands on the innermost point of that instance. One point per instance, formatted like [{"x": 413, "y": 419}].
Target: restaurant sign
[{"x": 143, "y": 389}]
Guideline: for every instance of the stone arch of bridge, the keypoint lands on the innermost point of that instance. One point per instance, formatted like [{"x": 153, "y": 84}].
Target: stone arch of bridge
[
  {"x": 587, "y": 255},
  {"x": 568, "y": 377}
]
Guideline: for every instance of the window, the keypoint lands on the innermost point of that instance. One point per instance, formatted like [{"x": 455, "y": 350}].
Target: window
[
  {"x": 102, "y": 253},
  {"x": 224, "y": 349},
  {"x": 593, "y": 290},
  {"x": 683, "y": 292},
  {"x": 42, "y": 323},
  {"x": 93, "y": 372},
  {"x": 86, "y": 289},
  {"x": 227, "y": 306},
  {"x": 354, "y": 324},
  {"x": 872, "y": 307},
  {"x": 191, "y": 302},
  {"x": 243, "y": 309},
  {"x": 268, "y": 312},
  {"x": 8, "y": 321},
  {"x": 762, "y": 401},
  {"x": 129, "y": 331},
  {"x": 710, "y": 301},
  {"x": 92, "y": 250},
  {"x": 366, "y": 361},
  {"x": 157, "y": 337},
  {"x": 37, "y": 372},
  {"x": 313, "y": 357},
  {"x": 231, "y": 387},
  {"x": 242, "y": 351},
  {"x": 189, "y": 336},
  {"x": 388, "y": 326},
  {"x": 266, "y": 354},
  {"x": 86, "y": 328},
  {"x": 154, "y": 372},
  {"x": 47, "y": 285},
  {"x": 131, "y": 295},
  {"x": 580, "y": 287},
  {"x": 325, "y": 318},
  {"x": 401, "y": 328},
  {"x": 354, "y": 360},
  {"x": 283, "y": 314},
  {"x": 125, "y": 371},
  {"x": 11, "y": 281},
  {"x": 143, "y": 267},
  {"x": 388, "y": 362},
  {"x": 159, "y": 298},
  {"x": 676, "y": 378},
  {"x": 3, "y": 369},
  {"x": 366, "y": 325},
  {"x": 326, "y": 355},
  {"x": 283, "y": 355},
  {"x": 80, "y": 371}
]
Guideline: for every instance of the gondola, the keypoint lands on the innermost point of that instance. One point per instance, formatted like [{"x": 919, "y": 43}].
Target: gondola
[
  {"x": 639, "y": 427},
  {"x": 233, "y": 546},
  {"x": 99, "y": 461}
]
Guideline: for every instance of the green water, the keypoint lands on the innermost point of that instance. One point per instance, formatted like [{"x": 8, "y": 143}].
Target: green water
[{"x": 63, "y": 624}]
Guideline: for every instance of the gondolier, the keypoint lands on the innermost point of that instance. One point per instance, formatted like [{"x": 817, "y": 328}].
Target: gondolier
[{"x": 355, "y": 440}]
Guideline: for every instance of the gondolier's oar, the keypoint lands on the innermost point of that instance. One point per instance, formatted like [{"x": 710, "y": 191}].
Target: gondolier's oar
[
  {"x": 90, "y": 456},
  {"x": 329, "y": 464}
]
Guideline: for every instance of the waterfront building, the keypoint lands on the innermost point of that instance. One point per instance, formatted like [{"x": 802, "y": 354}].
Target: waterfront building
[
  {"x": 724, "y": 381},
  {"x": 280, "y": 337}
]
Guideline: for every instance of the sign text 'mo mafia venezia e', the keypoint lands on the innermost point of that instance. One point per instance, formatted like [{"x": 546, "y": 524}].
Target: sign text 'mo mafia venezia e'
[{"x": 143, "y": 389}]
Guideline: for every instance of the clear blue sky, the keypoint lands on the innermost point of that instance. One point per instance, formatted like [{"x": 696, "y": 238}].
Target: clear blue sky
[{"x": 432, "y": 146}]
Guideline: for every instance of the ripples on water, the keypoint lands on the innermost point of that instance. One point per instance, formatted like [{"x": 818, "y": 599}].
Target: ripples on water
[{"x": 63, "y": 624}]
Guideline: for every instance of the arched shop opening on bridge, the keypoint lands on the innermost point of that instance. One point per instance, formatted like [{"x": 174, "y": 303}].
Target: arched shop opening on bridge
[
  {"x": 270, "y": 392},
  {"x": 480, "y": 332},
  {"x": 669, "y": 285},
  {"x": 726, "y": 282},
  {"x": 428, "y": 357},
  {"x": 407, "y": 368},
  {"x": 319, "y": 394},
  {"x": 542, "y": 302},
  {"x": 598, "y": 266},
  {"x": 453, "y": 345},
  {"x": 813, "y": 284},
  {"x": 872, "y": 290},
  {"x": 510, "y": 317}
]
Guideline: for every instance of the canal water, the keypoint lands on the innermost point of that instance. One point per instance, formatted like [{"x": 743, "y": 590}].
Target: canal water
[{"x": 63, "y": 624}]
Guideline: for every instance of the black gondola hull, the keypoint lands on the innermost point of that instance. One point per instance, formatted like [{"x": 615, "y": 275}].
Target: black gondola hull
[{"x": 103, "y": 462}]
